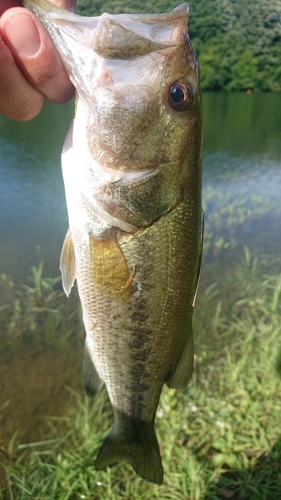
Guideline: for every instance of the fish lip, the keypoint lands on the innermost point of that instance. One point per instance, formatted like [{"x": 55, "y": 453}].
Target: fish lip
[{"x": 114, "y": 161}]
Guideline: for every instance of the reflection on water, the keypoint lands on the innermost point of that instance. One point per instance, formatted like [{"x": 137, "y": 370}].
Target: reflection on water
[
  {"x": 243, "y": 124},
  {"x": 241, "y": 193}
]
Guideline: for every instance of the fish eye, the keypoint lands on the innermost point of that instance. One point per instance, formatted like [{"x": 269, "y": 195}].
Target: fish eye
[{"x": 180, "y": 96}]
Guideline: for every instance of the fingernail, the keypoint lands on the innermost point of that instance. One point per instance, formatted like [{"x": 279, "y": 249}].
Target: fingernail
[{"x": 23, "y": 34}]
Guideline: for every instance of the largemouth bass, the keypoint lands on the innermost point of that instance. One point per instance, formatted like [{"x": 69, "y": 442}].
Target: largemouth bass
[{"x": 132, "y": 172}]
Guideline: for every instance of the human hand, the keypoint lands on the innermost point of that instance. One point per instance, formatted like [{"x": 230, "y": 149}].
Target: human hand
[{"x": 30, "y": 67}]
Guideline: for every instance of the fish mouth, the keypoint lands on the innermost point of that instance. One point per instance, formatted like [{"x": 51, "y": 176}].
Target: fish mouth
[
  {"x": 121, "y": 36},
  {"x": 114, "y": 161}
]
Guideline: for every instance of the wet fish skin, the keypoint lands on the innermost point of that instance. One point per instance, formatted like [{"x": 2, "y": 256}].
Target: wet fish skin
[{"x": 132, "y": 173}]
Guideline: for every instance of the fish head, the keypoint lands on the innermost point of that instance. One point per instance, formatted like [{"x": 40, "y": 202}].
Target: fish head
[
  {"x": 138, "y": 77},
  {"x": 144, "y": 107},
  {"x": 146, "y": 78}
]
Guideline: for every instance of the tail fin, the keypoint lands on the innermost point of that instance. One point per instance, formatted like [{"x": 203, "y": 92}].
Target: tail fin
[{"x": 132, "y": 441}]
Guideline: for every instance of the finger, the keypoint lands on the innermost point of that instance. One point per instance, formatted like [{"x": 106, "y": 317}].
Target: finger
[
  {"x": 63, "y": 4},
  {"x": 21, "y": 101},
  {"x": 35, "y": 54}
]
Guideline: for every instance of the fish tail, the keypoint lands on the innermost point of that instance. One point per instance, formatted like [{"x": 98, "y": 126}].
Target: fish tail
[{"x": 132, "y": 441}]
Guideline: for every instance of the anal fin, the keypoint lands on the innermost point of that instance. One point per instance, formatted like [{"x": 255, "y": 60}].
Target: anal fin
[
  {"x": 182, "y": 373},
  {"x": 92, "y": 381}
]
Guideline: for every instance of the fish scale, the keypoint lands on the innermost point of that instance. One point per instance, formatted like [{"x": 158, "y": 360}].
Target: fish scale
[{"x": 132, "y": 172}]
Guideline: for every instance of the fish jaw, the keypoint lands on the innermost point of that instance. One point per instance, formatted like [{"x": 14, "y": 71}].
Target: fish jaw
[{"x": 84, "y": 42}]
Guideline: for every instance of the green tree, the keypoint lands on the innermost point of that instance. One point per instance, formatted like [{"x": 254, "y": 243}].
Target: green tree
[
  {"x": 245, "y": 72},
  {"x": 238, "y": 42}
]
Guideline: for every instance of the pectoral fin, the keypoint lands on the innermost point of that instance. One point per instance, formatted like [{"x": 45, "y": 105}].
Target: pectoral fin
[
  {"x": 181, "y": 375},
  {"x": 67, "y": 263},
  {"x": 110, "y": 271}
]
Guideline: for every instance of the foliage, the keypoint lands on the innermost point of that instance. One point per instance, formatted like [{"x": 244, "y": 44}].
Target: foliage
[
  {"x": 219, "y": 439},
  {"x": 37, "y": 312},
  {"x": 238, "y": 43}
]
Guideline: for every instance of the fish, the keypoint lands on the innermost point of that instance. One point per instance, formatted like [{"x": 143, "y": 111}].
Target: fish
[{"x": 132, "y": 172}]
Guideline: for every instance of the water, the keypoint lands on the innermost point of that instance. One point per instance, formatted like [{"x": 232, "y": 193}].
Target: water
[
  {"x": 241, "y": 193},
  {"x": 33, "y": 208},
  {"x": 242, "y": 175},
  {"x": 242, "y": 155}
]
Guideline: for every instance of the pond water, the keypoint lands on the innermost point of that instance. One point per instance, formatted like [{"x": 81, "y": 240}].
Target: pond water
[
  {"x": 241, "y": 195},
  {"x": 242, "y": 155}
]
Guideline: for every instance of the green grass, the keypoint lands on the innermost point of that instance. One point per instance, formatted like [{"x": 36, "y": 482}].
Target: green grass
[
  {"x": 37, "y": 313},
  {"x": 219, "y": 439}
]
